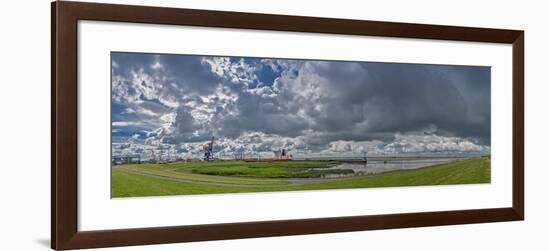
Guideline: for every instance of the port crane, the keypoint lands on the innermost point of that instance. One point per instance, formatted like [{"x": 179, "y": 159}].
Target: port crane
[{"x": 208, "y": 150}]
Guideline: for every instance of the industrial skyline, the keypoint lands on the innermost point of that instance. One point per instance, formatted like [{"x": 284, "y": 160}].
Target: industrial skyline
[{"x": 174, "y": 104}]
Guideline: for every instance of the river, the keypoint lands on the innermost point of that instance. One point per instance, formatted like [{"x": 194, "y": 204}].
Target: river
[{"x": 387, "y": 165}]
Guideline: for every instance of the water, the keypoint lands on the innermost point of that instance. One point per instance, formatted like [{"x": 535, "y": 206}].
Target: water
[{"x": 382, "y": 166}]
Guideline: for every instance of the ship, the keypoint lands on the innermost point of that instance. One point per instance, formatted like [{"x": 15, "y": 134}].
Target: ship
[{"x": 279, "y": 155}]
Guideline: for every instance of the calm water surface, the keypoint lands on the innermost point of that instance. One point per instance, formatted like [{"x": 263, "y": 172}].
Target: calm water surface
[{"x": 381, "y": 166}]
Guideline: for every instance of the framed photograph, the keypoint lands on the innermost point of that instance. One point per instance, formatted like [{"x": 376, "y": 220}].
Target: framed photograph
[{"x": 177, "y": 125}]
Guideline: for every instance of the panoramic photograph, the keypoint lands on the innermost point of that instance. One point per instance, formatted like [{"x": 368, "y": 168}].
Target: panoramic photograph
[{"x": 199, "y": 124}]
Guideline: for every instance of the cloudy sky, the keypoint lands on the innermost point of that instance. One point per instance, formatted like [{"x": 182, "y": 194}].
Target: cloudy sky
[{"x": 256, "y": 105}]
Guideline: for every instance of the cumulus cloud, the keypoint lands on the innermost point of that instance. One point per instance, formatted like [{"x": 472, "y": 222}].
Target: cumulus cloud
[{"x": 309, "y": 107}]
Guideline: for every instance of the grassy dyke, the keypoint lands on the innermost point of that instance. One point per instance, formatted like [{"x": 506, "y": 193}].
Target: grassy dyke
[
  {"x": 472, "y": 171},
  {"x": 263, "y": 170},
  {"x": 169, "y": 171}
]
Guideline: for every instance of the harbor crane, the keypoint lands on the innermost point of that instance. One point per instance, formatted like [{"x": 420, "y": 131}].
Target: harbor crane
[{"x": 208, "y": 150}]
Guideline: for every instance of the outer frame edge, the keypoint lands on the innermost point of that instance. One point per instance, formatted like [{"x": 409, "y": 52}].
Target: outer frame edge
[
  {"x": 64, "y": 233},
  {"x": 53, "y": 124}
]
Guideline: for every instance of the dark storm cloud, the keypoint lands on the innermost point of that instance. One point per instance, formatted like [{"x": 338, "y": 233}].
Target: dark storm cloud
[
  {"x": 367, "y": 101},
  {"x": 407, "y": 97}
]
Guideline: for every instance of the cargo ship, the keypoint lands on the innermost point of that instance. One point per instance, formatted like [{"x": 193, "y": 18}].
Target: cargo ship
[{"x": 280, "y": 155}]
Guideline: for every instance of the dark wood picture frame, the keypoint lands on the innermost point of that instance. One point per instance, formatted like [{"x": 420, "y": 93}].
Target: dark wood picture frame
[{"x": 64, "y": 193}]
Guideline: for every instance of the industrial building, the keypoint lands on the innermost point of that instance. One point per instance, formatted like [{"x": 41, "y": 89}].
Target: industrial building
[{"x": 125, "y": 159}]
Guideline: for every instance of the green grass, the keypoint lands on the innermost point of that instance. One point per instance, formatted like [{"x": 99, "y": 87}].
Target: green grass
[
  {"x": 470, "y": 171},
  {"x": 267, "y": 172}
]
